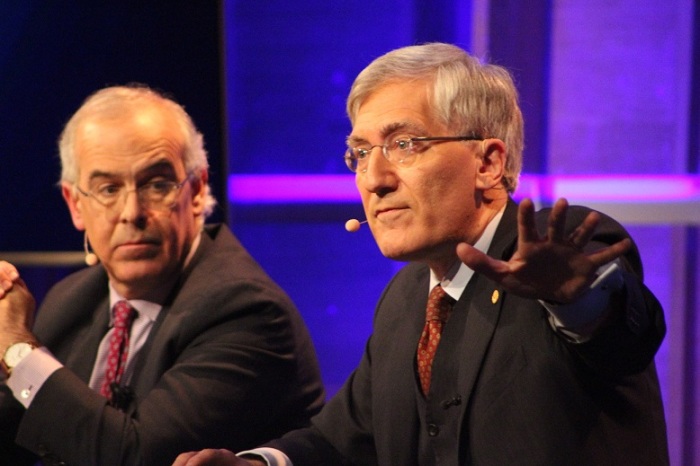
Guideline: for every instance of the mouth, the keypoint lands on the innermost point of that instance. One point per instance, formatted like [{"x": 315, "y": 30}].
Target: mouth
[
  {"x": 139, "y": 241},
  {"x": 388, "y": 213},
  {"x": 136, "y": 246}
]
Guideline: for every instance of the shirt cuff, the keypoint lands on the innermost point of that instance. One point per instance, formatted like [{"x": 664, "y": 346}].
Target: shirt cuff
[
  {"x": 31, "y": 373},
  {"x": 271, "y": 456},
  {"x": 590, "y": 307}
]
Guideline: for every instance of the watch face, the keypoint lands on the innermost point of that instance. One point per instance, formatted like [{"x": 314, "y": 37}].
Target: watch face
[{"x": 16, "y": 353}]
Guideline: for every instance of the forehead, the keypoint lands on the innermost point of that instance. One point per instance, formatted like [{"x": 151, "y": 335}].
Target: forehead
[
  {"x": 130, "y": 141},
  {"x": 395, "y": 106}
]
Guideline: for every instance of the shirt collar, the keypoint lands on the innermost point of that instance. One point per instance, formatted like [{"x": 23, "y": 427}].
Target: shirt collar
[
  {"x": 459, "y": 275},
  {"x": 145, "y": 308}
]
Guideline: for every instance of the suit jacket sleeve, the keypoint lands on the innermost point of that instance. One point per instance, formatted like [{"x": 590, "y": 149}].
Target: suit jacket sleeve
[{"x": 627, "y": 343}]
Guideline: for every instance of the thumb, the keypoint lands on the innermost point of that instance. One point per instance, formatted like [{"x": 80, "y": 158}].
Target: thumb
[{"x": 480, "y": 262}]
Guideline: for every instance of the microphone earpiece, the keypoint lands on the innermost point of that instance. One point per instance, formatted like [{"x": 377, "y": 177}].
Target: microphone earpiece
[
  {"x": 90, "y": 258},
  {"x": 353, "y": 225}
]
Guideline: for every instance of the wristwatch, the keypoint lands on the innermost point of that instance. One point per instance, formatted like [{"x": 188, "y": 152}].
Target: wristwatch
[{"x": 14, "y": 354}]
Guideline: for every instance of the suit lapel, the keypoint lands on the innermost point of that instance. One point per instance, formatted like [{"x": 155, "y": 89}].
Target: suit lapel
[
  {"x": 482, "y": 314},
  {"x": 148, "y": 370},
  {"x": 482, "y": 303},
  {"x": 81, "y": 359}
]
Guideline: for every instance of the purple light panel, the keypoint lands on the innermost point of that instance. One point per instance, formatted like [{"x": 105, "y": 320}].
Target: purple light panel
[
  {"x": 300, "y": 189},
  {"x": 292, "y": 189}
]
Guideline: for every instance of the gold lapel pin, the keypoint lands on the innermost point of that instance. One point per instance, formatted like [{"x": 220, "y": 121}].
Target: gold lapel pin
[{"x": 494, "y": 297}]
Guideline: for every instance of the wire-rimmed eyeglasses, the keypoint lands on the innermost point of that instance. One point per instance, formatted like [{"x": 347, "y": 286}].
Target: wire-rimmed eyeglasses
[
  {"x": 160, "y": 194},
  {"x": 400, "y": 151}
]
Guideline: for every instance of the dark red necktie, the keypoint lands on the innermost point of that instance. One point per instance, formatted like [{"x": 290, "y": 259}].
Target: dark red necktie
[
  {"x": 118, "y": 346},
  {"x": 436, "y": 314}
]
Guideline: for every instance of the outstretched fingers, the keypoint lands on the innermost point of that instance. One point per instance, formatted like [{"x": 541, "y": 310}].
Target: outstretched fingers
[
  {"x": 527, "y": 229},
  {"x": 556, "y": 225},
  {"x": 610, "y": 253},
  {"x": 557, "y": 221},
  {"x": 584, "y": 232}
]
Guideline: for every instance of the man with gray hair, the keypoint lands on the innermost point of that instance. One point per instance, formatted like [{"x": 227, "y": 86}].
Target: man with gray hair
[
  {"x": 512, "y": 337},
  {"x": 175, "y": 337}
]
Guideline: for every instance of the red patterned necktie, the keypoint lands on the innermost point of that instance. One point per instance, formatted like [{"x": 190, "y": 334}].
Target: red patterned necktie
[
  {"x": 118, "y": 346},
  {"x": 436, "y": 314}
]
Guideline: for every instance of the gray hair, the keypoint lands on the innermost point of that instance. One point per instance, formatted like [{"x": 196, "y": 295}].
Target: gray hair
[
  {"x": 112, "y": 102},
  {"x": 468, "y": 96}
]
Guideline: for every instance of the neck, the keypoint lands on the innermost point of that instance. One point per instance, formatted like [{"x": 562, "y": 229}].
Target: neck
[
  {"x": 441, "y": 262},
  {"x": 157, "y": 293},
  {"x": 443, "y": 269}
]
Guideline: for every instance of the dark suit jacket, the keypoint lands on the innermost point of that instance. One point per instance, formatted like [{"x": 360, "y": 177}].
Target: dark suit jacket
[
  {"x": 229, "y": 363},
  {"x": 507, "y": 389}
]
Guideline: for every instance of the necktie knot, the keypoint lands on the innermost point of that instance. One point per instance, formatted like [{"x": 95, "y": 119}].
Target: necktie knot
[
  {"x": 123, "y": 314},
  {"x": 439, "y": 305}
]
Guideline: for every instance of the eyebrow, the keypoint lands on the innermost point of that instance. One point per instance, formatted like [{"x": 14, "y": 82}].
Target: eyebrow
[
  {"x": 157, "y": 167},
  {"x": 101, "y": 174},
  {"x": 387, "y": 130}
]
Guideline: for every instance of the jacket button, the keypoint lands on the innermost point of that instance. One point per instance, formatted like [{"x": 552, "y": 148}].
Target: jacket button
[{"x": 433, "y": 430}]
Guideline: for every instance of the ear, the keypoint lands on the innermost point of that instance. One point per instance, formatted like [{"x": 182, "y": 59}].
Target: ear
[
  {"x": 199, "y": 192},
  {"x": 74, "y": 203},
  {"x": 491, "y": 164}
]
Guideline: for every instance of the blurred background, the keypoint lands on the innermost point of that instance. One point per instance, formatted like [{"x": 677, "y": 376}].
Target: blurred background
[{"x": 610, "y": 91}]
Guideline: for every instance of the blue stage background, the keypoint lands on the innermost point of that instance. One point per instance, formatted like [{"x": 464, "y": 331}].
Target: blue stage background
[{"x": 607, "y": 88}]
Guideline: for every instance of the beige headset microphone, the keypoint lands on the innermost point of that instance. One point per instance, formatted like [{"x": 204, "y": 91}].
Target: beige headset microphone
[{"x": 90, "y": 257}]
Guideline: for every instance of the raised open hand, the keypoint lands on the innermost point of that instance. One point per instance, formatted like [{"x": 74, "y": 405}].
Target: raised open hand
[{"x": 553, "y": 268}]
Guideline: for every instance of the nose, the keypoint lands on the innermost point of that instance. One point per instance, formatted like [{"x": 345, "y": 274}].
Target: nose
[
  {"x": 133, "y": 210},
  {"x": 379, "y": 175}
]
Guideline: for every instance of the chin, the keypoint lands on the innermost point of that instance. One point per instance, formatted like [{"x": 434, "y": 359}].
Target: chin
[
  {"x": 417, "y": 252},
  {"x": 397, "y": 254},
  {"x": 402, "y": 244},
  {"x": 139, "y": 271}
]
